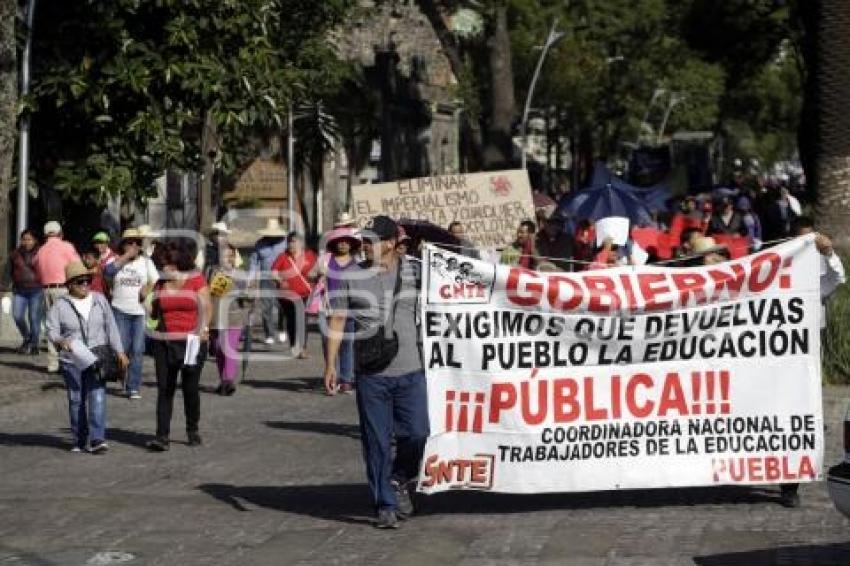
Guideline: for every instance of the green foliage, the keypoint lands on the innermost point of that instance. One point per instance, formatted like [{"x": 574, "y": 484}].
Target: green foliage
[
  {"x": 735, "y": 63},
  {"x": 612, "y": 58},
  {"x": 122, "y": 88},
  {"x": 467, "y": 91},
  {"x": 769, "y": 103},
  {"x": 836, "y": 336}
]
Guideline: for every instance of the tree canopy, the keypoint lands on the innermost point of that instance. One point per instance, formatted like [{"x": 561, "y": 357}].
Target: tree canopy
[{"x": 122, "y": 89}]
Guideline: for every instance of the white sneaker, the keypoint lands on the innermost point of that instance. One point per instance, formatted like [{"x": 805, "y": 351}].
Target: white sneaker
[
  {"x": 282, "y": 338},
  {"x": 76, "y": 449},
  {"x": 269, "y": 341},
  {"x": 135, "y": 395}
]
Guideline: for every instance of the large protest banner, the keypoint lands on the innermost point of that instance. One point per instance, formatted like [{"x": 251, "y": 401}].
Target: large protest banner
[
  {"x": 491, "y": 205},
  {"x": 631, "y": 377}
]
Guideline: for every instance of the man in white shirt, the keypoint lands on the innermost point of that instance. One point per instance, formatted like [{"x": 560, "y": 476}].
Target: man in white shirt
[
  {"x": 831, "y": 269},
  {"x": 831, "y": 277},
  {"x": 133, "y": 275}
]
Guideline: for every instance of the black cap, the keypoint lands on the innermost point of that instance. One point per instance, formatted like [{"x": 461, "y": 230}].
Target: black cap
[{"x": 384, "y": 227}]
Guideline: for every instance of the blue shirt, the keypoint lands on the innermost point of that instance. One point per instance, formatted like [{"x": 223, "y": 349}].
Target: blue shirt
[{"x": 265, "y": 252}]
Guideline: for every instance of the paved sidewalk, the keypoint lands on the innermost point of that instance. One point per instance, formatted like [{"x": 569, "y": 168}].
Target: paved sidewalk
[{"x": 280, "y": 481}]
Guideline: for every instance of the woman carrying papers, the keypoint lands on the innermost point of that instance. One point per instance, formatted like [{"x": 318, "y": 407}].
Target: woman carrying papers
[
  {"x": 76, "y": 323},
  {"x": 182, "y": 306}
]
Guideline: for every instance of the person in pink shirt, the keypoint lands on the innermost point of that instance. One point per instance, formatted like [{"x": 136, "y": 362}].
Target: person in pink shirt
[{"x": 50, "y": 264}]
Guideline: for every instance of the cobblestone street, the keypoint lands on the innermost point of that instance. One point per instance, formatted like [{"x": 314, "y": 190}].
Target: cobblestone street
[{"x": 280, "y": 480}]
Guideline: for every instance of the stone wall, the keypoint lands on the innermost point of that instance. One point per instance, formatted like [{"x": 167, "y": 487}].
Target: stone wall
[
  {"x": 378, "y": 25},
  {"x": 399, "y": 51}
]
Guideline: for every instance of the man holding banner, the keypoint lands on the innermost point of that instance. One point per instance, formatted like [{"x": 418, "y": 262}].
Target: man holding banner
[
  {"x": 831, "y": 277},
  {"x": 381, "y": 296}
]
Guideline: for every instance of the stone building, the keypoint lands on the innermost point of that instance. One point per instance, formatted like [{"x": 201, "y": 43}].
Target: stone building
[{"x": 404, "y": 63}]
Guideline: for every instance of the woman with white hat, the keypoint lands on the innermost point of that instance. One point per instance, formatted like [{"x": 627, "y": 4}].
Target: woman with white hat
[
  {"x": 209, "y": 255},
  {"x": 78, "y": 321},
  {"x": 230, "y": 308},
  {"x": 269, "y": 247},
  {"x": 133, "y": 276}
]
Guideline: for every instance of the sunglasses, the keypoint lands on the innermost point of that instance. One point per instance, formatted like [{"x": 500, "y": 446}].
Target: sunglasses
[{"x": 81, "y": 281}]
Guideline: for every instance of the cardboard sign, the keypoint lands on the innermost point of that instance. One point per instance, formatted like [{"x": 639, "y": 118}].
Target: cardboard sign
[{"x": 490, "y": 205}]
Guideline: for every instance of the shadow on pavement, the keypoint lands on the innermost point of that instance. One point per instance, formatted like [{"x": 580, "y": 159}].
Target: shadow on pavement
[
  {"x": 33, "y": 439},
  {"x": 24, "y": 365},
  {"x": 346, "y": 503},
  {"x": 337, "y": 429},
  {"x": 822, "y": 554},
  {"x": 13, "y": 555},
  {"x": 483, "y": 502},
  {"x": 118, "y": 435},
  {"x": 295, "y": 385},
  {"x": 128, "y": 437}
]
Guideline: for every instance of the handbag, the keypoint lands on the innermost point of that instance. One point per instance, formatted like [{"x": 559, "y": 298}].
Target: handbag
[
  {"x": 316, "y": 300},
  {"x": 106, "y": 368},
  {"x": 375, "y": 353}
]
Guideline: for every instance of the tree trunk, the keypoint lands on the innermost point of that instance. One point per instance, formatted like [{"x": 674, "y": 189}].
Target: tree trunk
[
  {"x": 832, "y": 135},
  {"x": 499, "y": 149},
  {"x": 8, "y": 129},
  {"x": 209, "y": 148},
  {"x": 451, "y": 49}
]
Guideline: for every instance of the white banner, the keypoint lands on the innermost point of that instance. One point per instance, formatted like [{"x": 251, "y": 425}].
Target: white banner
[
  {"x": 490, "y": 205},
  {"x": 631, "y": 377}
]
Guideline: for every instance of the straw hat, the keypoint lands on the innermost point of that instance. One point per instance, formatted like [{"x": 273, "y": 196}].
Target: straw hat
[
  {"x": 75, "y": 269},
  {"x": 707, "y": 245},
  {"x": 131, "y": 234},
  {"x": 220, "y": 228},
  {"x": 344, "y": 218},
  {"x": 145, "y": 231},
  {"x": 272, "y": 229}
]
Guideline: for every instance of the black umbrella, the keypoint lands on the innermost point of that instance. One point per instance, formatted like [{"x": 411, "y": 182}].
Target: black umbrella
[{"x": 422, "y": 231}]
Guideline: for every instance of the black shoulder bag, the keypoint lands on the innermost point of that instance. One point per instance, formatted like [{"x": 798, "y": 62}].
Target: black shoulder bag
[
  {"x": 375, "y": 353},
  {"x": 106, "y": 367}
]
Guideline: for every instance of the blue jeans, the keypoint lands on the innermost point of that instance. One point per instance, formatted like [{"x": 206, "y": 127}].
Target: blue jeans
[
  {"x": 131, "y": 327},
  {"x": 270, "y": 309},
  {"x": 86, "y": 404},
  {"x": 345, "y": 356},
  {"x": 28, "y": 304},
  {"x": 392, "y": 407}
]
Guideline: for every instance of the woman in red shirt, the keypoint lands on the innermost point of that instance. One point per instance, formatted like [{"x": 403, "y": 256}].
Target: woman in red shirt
[
  {"x": 292, "y": 269},
  {"x": 183, "y": 309}
]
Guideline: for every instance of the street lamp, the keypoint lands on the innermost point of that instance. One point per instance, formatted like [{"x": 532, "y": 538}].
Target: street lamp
[
  {"x": 553, "y": 38},
  {"x": 656, "y": 94},
  {"x": 290, "y": 168},
  {"x": 675, "y": 99},
  {"x": 24, "y": 141}
]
